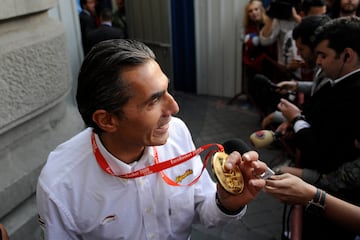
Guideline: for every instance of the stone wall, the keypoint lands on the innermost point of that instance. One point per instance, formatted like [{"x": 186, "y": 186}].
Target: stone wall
[{"x": 35, "y": 79}]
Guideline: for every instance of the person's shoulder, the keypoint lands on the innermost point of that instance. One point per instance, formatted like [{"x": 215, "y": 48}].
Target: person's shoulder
[
  {"x": 83, "y": 15},
  {"x": 116, "y": 29},
  {"x": 176, "y": 121},
  {"x": 178, "y": 128},
  {"x": 67, "y": 155},
  {"x": 117, "y": 32},
  {"x": 79, "y": 138},
  {"x": 179, "y": 136},
  {"x": 352, "y": 81}
]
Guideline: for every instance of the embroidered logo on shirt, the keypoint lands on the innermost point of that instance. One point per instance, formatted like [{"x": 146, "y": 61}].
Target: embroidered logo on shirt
[
  {"x": 42, "y": 227},
  {"x": 108, "y": 219},
  {"x": 182, "y": 177}
]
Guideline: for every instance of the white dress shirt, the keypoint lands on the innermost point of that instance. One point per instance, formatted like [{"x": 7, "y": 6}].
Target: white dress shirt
[{"x": 76, "y": 199}]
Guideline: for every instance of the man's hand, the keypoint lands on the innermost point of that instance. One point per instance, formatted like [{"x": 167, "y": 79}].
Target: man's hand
[
  {"x": 289, "y": 110},
  {"x": 251, "y": 169},
  {"x": 287, "y": 86}
]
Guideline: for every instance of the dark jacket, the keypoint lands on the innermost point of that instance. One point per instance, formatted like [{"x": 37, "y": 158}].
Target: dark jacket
[
  {"x": 87, "y": 24},
  {"x": 104, "y": 32},
  {"x": 328, "y": 146}
]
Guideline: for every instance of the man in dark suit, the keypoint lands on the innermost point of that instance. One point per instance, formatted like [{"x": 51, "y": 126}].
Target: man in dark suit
[
  {"x": 105, "y": 31},
  {"x": 87, "y": 21}
]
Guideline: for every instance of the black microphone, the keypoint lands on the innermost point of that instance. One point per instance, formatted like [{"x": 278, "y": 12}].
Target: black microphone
[
  {"x": 242, "y": 147},
  {"x": 263, "y": 80},
  {"x": 236, "y": 144}
]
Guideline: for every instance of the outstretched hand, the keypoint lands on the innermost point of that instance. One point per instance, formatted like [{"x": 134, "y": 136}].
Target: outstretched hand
[
  {"x": 289, "y": 110},
  {"x": 289, "y": 188},
  {"x": 251, "y": 169}
]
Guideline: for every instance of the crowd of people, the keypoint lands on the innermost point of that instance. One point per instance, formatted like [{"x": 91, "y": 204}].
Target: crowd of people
[
  {"x": 320, "y": 121},
  {"x": 126, "y": 162}
]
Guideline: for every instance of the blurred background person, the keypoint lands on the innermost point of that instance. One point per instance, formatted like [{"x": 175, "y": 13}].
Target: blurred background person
[
  {"x": 344, "y": 8},
  {"x": 105, "y": 31},
  {"x": 303, "y": 35},
  {"x": 254, "y": 54},
  {"x": 87, "y": 19},
  {"x": 256, "y": 58},
  {"x": 103, "y": 4},
  {"x": 119, "y": 17},
  {"x": 276, "y": 25}
]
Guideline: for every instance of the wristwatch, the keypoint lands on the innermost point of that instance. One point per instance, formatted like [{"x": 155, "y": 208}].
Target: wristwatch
[
  {"x": 223, "y": 209},
  {"x": 317, "y": 205},
  {"x": 297, "y": 118}
]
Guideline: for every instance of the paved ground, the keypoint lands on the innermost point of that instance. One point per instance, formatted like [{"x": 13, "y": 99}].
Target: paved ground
[{"x": 210, "y": 120}]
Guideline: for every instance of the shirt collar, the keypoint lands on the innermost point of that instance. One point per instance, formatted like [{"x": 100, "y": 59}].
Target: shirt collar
[
  {"x": 106, "y": 23},
  {"x": 345, "y": 76},
  {"x": 118, "y": 166}
]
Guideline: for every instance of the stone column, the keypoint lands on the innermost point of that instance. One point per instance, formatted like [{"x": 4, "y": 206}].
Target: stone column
[{"x": 35, "y": 78}]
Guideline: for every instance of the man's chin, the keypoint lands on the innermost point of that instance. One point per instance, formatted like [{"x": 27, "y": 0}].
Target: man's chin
[{"x": 160, "y": 140}]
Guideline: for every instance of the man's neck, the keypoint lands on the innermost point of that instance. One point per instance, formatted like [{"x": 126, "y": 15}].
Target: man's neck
[
  {"x": 125, "y": 153},
  {"x": 347, "y": 14}
]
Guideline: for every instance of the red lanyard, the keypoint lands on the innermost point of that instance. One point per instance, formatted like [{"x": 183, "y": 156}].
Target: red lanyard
[{"x": 158, "y": 166}]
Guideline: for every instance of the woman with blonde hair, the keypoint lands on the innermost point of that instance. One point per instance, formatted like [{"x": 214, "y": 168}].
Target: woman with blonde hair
[
  {"x": 254, "y": 16},
  {"x": 256, "y": 58}
]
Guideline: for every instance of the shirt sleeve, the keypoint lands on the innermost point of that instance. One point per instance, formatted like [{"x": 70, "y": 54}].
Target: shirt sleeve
[
  {"x": 54, "y": 222},
  {"x": 275, "y": 30},
  {"x": 305, "y": 87},
  {"x": 207, "y": 210},
  {"x": 347, "y": 176}
]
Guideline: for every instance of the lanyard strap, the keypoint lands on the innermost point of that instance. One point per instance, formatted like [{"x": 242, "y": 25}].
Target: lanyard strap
[{"x": 157, "y": 166}]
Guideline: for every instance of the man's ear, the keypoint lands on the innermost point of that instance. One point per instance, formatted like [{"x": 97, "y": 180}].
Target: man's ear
[{"x": 106, "y": 121}]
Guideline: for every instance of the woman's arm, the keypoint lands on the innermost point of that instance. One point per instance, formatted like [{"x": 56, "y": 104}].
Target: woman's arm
[
  {"x": 3, "y": 233},
  {"x": 291, "y": 189}
]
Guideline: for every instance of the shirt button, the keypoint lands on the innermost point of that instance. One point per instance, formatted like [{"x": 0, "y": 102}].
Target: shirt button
[
  {"x": 152, "y": 236},
  {"x": 123, "y": 180},
  {"x": 148, "y": 210}
]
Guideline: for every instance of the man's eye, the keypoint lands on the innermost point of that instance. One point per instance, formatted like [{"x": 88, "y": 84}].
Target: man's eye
[{"x": 155, "y": 100}]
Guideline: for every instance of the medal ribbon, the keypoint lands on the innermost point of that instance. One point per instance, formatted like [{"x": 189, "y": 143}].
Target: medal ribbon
[{"x": 157, "y": 166}]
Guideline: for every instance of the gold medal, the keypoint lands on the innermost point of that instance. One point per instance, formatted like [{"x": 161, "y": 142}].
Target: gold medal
[{"x": 232, "y": 181}]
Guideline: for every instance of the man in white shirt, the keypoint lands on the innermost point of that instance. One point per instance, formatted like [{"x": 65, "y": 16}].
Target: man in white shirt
[{"x": 107, "y": 182}]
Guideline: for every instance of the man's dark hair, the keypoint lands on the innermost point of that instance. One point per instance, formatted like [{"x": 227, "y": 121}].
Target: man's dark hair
[
  {"x": 100, "y": 85},
  {"x": 343, "y": 32},
  {"x": 106, "y": 15},
  {"x": 306, "y": 28},
  {"x": 334, "y": 11},
  {"x": 82, "y": 3},
  {"x": 307, "y": 4}
]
